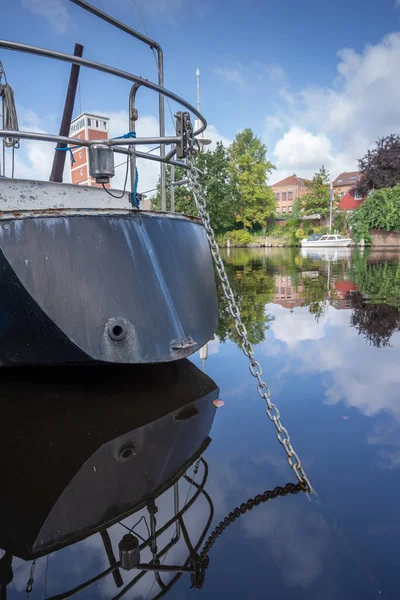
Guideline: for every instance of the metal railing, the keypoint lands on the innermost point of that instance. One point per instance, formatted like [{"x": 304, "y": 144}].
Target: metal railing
[{"x": 122, "y": 146}]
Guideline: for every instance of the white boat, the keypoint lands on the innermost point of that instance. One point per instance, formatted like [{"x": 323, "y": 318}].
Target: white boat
[
  {"x": 326, "y": 254},
  {"x": 328, "y": 240}
]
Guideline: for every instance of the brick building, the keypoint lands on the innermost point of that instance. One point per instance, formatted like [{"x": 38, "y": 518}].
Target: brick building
[
  {"x": 86, "y": 127},
  {"x": 287, "y": 191},
  {"x": 342, "y": 186}
]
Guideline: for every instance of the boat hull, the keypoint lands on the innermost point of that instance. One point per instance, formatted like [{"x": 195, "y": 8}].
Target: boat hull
[
  {"x": 104, "y": 286},
  {"x": 326, "y": 244}
]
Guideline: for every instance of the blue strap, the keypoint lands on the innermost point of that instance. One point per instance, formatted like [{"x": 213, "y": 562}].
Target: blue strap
[
  {"x": 135, "y": 200},
  {"x": 69, "y": 149},
  {"x": 130, "y": 134}
]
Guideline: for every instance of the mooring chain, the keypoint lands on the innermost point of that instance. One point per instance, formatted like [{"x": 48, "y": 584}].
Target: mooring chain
[
  {"x": 246, "y": 346},
  {"x": 202, "y": 560}
]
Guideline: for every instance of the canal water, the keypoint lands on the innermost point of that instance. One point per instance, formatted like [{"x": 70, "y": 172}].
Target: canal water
[{"x": 326, "y": 329}]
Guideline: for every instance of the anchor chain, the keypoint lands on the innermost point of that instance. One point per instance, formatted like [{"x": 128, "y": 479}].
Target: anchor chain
[
  {"x": 203, "y": 560},
  {"x": 247, "y": 348}
]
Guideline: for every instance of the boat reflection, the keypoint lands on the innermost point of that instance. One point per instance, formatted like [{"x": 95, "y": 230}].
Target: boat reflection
[
  {"x": 326, "y": 254},
  {"x": 84, "y": 448},
  {"x": 86, "y": 451}
]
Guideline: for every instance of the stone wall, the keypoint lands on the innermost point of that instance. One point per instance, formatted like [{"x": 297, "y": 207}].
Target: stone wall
[{"x": 385, "y": 239}]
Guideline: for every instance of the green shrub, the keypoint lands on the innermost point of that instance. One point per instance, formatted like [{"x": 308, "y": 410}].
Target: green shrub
[
  {"x": 380, "y": 210},
  {"x": 240, "y": 237}
]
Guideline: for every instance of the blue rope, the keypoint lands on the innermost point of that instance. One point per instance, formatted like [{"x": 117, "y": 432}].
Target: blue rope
[
  {"x": 135, "y": 200},
  {"x": 130, "y": 134},
  {"x": 69, "y": 149}
]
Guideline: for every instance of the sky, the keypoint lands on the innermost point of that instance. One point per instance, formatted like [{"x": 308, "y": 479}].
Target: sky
[{"x": 316, "y": 81}]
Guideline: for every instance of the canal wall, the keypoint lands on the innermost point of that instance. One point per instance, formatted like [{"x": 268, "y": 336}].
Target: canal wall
[{"x": 385, "y": 239}]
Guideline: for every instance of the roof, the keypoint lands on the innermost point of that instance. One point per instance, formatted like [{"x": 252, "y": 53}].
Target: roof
[
  {"x": 345, "y": 178},
  {"x": 91, "y": 115},
  {"x": 345, "y": 286},
  {"x": 348, "y": 202},
  {"x": 292, "y": 180}
]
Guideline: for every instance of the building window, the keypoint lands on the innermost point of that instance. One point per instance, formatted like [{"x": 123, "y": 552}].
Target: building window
[
  {"x": 89, "y": 122},
  {"x": 290, "y": 196},
  {"x": 283, "y": 196},
  {"x": 342, "y": 194},
  {"x": 290, "y": 208},
  {"x": 81, "y": 172},
  {"x": 277, "y": 196},
  {"x": 97, "y": 124},
  {"x": 105, "y": 124},
  {"x": 284, "y": 209},
  {"x": 358, "y": 197},
  {"x": 278, "y": 210}
]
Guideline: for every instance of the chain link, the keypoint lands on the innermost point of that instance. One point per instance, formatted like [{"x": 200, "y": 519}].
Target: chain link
[
  {"x": 202, "y": 560},
  {"x": 255, "y": 368}
]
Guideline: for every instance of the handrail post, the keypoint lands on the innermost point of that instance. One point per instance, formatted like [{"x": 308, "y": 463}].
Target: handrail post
[
  {"x": 133, "y": 115},
  {"x": 161, "y": 116}
]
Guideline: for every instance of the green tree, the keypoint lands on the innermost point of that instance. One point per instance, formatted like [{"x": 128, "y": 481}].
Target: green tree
[
  {"x": 184, "y": 201},
  {"x": 250, "y": 169},
  {"x": 253, "y": 289},
  {"x": 218, "y": 187},
  {"x": 317, "y": 198},
  {"x": 380, "y": 210}
]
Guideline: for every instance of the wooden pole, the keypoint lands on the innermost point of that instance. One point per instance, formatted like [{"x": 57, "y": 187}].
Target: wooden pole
[{"x": 59, "y": 157}]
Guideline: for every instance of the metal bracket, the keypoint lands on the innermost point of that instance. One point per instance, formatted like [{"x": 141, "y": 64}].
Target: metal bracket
[{"x": 184, "y": 130}]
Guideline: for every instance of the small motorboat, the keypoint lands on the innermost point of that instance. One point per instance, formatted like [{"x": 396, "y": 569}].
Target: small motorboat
[{"x": 328, "y": 240}]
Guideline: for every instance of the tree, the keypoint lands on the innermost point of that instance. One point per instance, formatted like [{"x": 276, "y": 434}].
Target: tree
[
  {"x": 380, "y": 210},
  {"x": 380, "y": 167},
  {"x": 250, "y": 169},
  {"x": 317, "y": 198},
  {"x": 218, "y": 187},
  {"x": 184, "y": 201}
]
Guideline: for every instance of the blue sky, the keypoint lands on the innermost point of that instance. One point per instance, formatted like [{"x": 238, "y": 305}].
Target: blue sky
[{"x": 315, "y": 80}]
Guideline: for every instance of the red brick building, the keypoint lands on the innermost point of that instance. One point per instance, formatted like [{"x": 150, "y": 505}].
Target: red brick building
[
  {"x": 86, "y": 127},
  {"x": 287, "y": 191},
  {"x": 342, "y": 186}
]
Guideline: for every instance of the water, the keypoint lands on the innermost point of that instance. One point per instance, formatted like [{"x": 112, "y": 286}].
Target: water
[{"x": 326, "y": 328}]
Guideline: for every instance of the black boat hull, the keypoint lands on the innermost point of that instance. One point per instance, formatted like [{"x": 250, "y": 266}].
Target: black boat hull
[{"x": 114, "y": 287}]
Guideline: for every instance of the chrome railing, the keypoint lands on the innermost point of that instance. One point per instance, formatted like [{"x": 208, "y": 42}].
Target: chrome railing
[{"x": 121, "y": 146}]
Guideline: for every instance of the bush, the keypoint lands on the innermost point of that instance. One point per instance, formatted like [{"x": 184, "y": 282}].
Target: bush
[
  {"x": 380, "y": 210},
  {"x": 240, "y": 237}
]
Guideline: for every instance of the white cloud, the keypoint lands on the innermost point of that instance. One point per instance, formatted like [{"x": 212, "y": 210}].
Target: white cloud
[
  {"x": 276, "y": 73},
  {"x": 213, "y": 134},
  {"x": 233, "y": 76},
  {"x": 54, "y": 11},
  {"x": 299, "y": 148},
  {"x": 273, "y": 123},
  {"x": 335, "y": 125},
  {"x": 355, "y": 382}
]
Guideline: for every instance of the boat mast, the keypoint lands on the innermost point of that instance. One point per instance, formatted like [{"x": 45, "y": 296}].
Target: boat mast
[{"x": 59, "y": 157}]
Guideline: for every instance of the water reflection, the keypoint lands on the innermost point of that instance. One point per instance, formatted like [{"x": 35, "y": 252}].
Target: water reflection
[
  {"x": 105, "y": 483},
  {"x": 101, "y": 451},
  {"x": 365, "y": 283}
]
